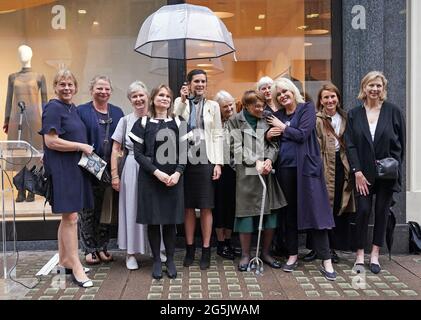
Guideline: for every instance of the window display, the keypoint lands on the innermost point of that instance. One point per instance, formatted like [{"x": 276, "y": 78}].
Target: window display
[{"x": 89, "y": 37}]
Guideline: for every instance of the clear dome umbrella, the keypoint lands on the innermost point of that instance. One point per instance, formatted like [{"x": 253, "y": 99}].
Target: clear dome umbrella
[{"x": 184, "y": 32}]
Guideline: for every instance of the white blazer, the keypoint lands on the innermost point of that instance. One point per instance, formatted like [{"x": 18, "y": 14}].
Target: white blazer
[{"x": 214, "y": 133}]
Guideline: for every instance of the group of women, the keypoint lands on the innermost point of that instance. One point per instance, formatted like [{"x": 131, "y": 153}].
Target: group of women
[{"x": 197, "y": 153}]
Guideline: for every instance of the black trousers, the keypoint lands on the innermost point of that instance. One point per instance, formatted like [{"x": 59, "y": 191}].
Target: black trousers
[
  {"x": 384, "y": 195},
  {"x": 339, "y": 237},
  {"x": 287, "y": 178}
]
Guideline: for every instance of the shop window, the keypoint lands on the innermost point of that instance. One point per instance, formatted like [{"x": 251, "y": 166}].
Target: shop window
[
  {"x": 89, "y": 37},
  {"x": 275, "y": 38}
]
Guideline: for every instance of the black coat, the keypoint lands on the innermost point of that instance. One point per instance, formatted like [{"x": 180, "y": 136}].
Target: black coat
[{"x": 389, "y": 141}]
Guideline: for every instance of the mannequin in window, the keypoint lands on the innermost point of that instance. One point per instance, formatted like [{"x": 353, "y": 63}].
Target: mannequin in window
[{"x": 29, "y": 87}]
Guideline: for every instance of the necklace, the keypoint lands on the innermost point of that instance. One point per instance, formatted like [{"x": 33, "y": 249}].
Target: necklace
[{"x": 69, "y": 107}]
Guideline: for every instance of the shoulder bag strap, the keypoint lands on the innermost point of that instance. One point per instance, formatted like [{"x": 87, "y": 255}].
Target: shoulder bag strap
[{"x": 123, "y": 142}]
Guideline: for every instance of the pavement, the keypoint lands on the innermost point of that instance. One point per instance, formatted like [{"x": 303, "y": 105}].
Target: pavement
[{"x": 400, "y": 279}]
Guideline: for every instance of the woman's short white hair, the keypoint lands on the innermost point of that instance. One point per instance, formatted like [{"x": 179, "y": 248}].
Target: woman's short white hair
[
  {"x": 284, "y": 83},
  {"x": 137, "y": 86},
  {"x": 223, "y": 97},
  {"x": 264, "y": 81}
]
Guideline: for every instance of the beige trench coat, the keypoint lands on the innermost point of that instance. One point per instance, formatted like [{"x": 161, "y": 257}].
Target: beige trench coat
[{"x": 327, "y": 149}]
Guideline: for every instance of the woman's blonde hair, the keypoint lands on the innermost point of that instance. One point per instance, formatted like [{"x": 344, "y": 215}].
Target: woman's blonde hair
[
  {"x": 373, "y": 75},
  {"x": 284, "y": 83},
  {"x": 65, "y": 74}
]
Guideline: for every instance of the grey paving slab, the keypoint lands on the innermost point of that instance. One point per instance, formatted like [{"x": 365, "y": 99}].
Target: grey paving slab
[{"x": 399, "y": 279}]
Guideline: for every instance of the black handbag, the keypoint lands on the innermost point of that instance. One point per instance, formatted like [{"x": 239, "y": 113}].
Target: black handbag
[
  {"x": 414, "y": 237},
  {"x": 36, "y": 181},
  {"x": 387, "y": 169}
]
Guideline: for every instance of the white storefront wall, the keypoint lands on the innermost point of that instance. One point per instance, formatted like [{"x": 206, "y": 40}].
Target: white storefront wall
[{"x": 413, "y": 195}]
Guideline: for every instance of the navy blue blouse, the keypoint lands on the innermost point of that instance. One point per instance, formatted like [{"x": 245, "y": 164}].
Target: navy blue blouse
[{"x": 287, "y": 157}]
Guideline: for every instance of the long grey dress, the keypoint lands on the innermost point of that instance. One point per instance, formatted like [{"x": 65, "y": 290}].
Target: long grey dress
[
  {"x": 131, "y": 235},
  {"x": 29, "y": 87}
]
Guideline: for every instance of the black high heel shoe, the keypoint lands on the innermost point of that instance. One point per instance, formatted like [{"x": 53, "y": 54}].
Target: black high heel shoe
[
  {"x": 157, "y": 270},
  {"x": 83, "y": 284},
  {"x": 171, "y": 270}
]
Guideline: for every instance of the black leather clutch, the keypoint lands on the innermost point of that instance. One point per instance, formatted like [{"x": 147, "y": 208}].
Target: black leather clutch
[{"x": 387, "y": 169}]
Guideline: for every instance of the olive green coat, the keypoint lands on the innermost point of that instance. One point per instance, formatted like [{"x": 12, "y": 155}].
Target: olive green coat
[
  {"x": 327, "y": 149},
  {"x": 249, "y": 188}
]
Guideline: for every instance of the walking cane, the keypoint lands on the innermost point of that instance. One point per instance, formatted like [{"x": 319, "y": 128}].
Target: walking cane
[{"x": 256, "y": 261}]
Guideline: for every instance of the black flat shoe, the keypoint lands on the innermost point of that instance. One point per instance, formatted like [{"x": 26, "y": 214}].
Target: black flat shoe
[
  {"x": 290, "y": 267},
  {"x": 311, "y": 256},
  {"x": 237, "y": 251},
  {"x": 243, "y": 267},
  {"x": 226, "y": 253},
  {"x": 275, "y": 264},
  {"x": 331, "y": 276},
  {"x": 375, "y": 268}
]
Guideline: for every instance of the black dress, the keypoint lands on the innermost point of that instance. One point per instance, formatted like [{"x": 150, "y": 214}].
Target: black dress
[
  {"x": 157, "y": 203},
  {"x": 72, "y": 190}
]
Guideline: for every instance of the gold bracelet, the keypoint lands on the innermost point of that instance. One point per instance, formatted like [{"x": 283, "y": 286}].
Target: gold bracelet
[{"x": 116, "y": 177}]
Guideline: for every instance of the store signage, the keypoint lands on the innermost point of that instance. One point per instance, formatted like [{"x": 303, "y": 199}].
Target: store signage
[
  {"x": 58, "y": 22},
  {"x": 359, "y": 19}
]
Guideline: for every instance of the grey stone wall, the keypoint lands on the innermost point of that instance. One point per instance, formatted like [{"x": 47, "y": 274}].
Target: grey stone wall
[{"x": 380, "y": 46}]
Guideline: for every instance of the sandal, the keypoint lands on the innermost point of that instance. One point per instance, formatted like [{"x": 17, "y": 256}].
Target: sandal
[
  {"x": 105, "y": 256},
  {"x": 91, "y": 258}
]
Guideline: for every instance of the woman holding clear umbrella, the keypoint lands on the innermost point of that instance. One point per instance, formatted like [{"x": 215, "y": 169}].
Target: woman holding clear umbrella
[{"x": 204, "y": 161}]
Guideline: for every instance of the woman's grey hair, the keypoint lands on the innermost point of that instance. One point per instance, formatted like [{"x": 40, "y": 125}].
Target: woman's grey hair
[
  {"x": 373, "y": 75},
  {"x": 223, "y": 97},
  {"x": 284, "y": 83},
  {"x": 95, "y": 79},
  {"x": 264, "y": 81},
  {"x": 137, "y": 86}
]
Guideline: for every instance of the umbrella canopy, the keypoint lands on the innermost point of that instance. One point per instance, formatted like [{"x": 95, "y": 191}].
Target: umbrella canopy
[{"x": 184, "y": 32}]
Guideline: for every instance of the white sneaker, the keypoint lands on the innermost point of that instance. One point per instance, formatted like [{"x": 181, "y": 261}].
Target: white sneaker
[
  {"x": 131, "y": 263},
  {"x": 163, "y": 257}
]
